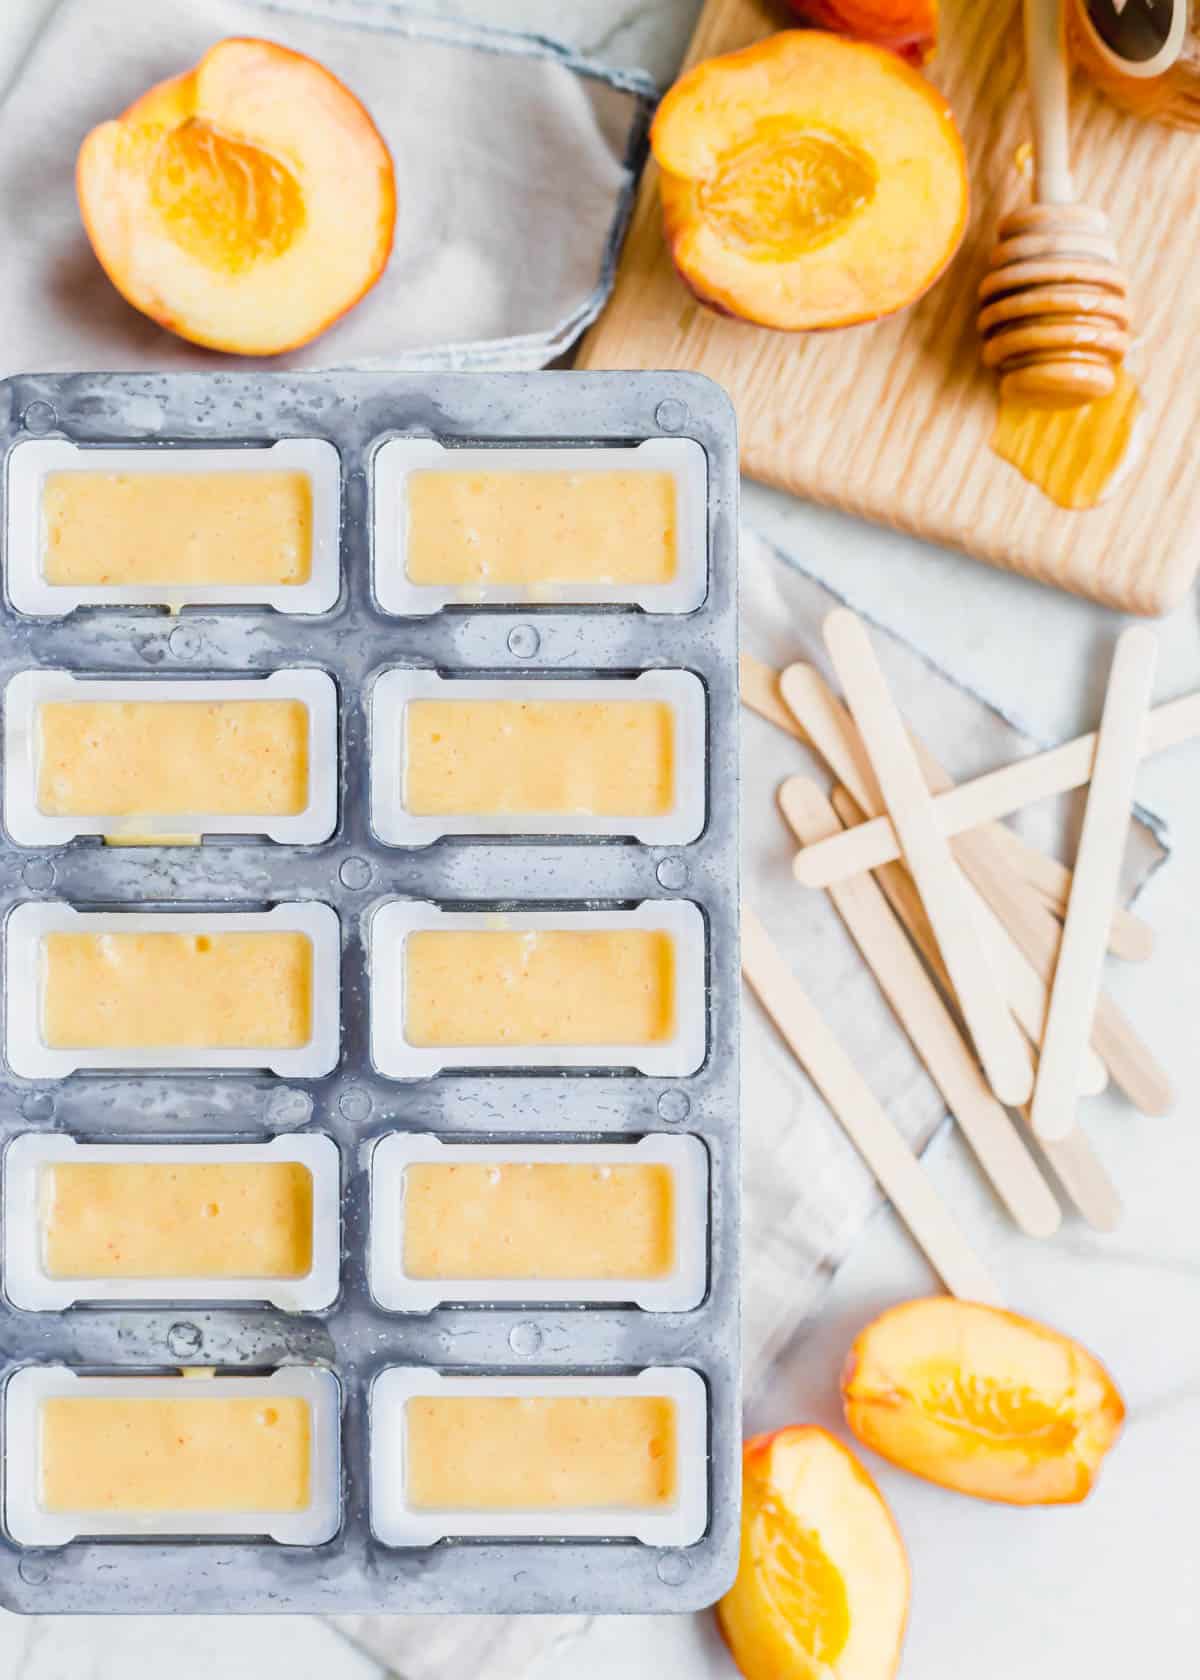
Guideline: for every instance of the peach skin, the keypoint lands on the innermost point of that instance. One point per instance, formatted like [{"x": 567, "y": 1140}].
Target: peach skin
[
  {"x": 982, "y": 1401},
  {"x": 909, "y": 27}
]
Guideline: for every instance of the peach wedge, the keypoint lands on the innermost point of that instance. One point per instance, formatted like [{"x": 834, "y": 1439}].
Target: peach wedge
[
  {"x": 245, "y": 205},
  {"x": 809, "y": 181},
  {"x": 909, "y": 27},
  {"x": 982, "y": 1401},
  {"x": 823, "y": 1584}
]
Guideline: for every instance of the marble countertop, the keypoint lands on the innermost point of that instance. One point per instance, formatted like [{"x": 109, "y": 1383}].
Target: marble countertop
[{"x": 1110, "y": 1589}]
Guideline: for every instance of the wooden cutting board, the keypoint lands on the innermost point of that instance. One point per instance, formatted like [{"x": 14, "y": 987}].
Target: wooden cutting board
[{"x": 894, "y": 420}]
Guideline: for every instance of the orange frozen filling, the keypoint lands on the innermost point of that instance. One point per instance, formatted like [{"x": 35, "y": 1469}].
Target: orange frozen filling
[
  {"x": 538, "y": 1219},
  {"x": 537, "y": 529},
  {"x": 118, "y": 758},
  {"x": 502, "y": 1453},
  {"x": 468, "y": 987},
  {"x": 177, "y": 528},
  {"x": 147, "y": 991},
  {"x": 143, "y": 1219},
  {"x": 604, "y": 758},
  {"x": 194, "y": 1454}
]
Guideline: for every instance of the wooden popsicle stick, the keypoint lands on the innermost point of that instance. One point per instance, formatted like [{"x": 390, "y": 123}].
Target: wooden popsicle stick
[
  {"x": 830, "y": 728},
  {"x": 832, "y": 731},
  {"x": 1079, "y": 1168},
  {"x": 1028, "y": 927},
  {"x": 1026, "y": 921},
  {"x": 827, "y": 725},
  {"x": 944, "y": 891},
  {"x": 1128, "y": 932},
  {"x": 1076, "y": 985},
  {"x": 1082, "y": 1175},
  {"x": 1126, "y": 1057},
  {"x": 873, "y": 1134},
  {"x": 1128, "y": 937},
  {"x": 918, "y": 1006},
  {"x": 989, "y": 797},
  {"x": 758, "y": 686},
  {"x": 1028, "y": 995}
]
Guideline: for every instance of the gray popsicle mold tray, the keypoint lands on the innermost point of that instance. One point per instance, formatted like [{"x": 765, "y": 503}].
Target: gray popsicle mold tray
[{"x": 354, "y": 1105}]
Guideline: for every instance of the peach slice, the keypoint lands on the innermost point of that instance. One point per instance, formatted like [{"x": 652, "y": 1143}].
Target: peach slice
[
  {"x": 823, "y": 1583},
  {"x": 809, "y": 181},
  {"x": 909, "y": 27},
  {"x": 982, "y": 1401},
  {"x": 245, "y": 205}
]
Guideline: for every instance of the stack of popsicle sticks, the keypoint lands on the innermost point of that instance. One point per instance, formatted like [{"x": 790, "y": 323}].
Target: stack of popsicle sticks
[
  {"x": 849, "y": 1097},
  {"x": 919, "y": 1008},
  {"x": 959, "y": 901},
  {"x": 1076, "y": 987}
]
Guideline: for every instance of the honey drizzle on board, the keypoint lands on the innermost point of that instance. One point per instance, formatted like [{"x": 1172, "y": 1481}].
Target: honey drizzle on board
[{"x": 1073, "y": 455}]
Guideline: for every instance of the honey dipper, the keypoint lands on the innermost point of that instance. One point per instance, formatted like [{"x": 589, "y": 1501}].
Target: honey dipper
[{"x": 1053, "y": 312}]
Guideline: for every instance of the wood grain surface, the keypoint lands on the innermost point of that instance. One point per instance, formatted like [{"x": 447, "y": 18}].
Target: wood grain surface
[{"x": 893, "y": 421}]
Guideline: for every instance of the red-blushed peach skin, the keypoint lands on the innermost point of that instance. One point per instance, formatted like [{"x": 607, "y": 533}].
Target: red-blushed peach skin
[
  {"x": 823, "y": 1581},
  {"x": 245, "y": 205},
  {"x": 982, "y": 1401},
  {"x": 909, "y": 27},
  {"x": 809, "y": 181}
]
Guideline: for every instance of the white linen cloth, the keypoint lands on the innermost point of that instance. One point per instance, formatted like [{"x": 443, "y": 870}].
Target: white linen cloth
[
  {"x": 514, "y": 167},
  {"x": 514, "y": 174}
]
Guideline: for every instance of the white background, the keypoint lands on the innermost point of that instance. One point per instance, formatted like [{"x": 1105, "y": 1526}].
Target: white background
[{"x": 1111, "y": 1589}]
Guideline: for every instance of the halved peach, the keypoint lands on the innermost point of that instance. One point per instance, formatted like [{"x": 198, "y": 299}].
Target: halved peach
[
  {"x": 823, "y": 1582},
  {"x": 809, "y": 181},
  {"x": 245, "y": 205},
  {"x": 982, "y": 1401},
  {"x": 909, "y": 27}
]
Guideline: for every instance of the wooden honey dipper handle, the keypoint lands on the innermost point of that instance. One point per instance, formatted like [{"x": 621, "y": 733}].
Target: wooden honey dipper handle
[
  {"x": 1053, "y": 313},
  {"x": 1049, "y": 99}
]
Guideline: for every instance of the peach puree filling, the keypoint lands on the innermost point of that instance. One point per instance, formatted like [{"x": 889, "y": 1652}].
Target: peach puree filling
[
  {"x": 144, "y": 1219},
  {"x": 176, "y": 990},
  {"x": 607, "y": 758},
  {"x": 538, "y": 1220},
  {"x": 463, "y": 987},
  {"x": 496, "y": 1452},
  {"x": 541, "y": 528},
  {"x": 122, "y": 529},
  {"x": 194, "y": 1454}
]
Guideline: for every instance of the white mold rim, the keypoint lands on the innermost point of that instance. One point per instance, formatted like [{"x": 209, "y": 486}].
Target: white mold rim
[
  {"x": 681, "y": 1290},
  {"x": 395, "y": 1523},
  {"x": 27, "y": 825},
  {"x": 397, "y": 457},
  {"x": 392, "y": 691},
  {"x": 30, "y": 1057},
  {"x": 34, "y": 458},
  {"x": 31, "y": 1288},
  {"x": 29, "y": 1524},
  {"x": 391, "y": 922}
]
